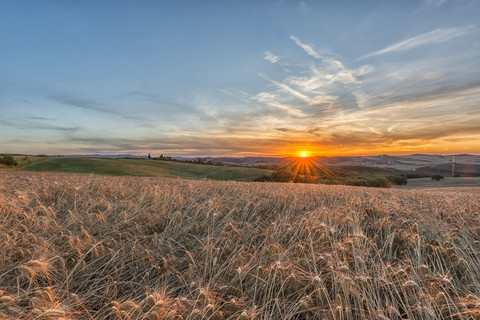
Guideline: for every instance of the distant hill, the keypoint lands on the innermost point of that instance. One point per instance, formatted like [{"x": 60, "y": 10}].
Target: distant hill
[
  {"x": 459, "y": 169},
  {"x": 106, "y": 156},
  {"x": 249, "y": 161},
  {"x": 402, "y": 162},
  {"x": 466, "y": 164},
  {"x": 143, "y": 167},
  {"x": 369, "y": 169}
]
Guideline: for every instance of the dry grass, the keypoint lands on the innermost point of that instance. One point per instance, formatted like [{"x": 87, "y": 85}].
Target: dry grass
[{"x": 85, "y": 247}]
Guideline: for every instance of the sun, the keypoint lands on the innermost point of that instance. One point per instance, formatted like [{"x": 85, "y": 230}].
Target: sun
[{"x": 303, "y": 154}]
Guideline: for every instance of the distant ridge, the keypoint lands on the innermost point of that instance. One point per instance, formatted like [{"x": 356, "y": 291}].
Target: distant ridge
[
  {"x": 105, "y": 155},
  {"x": 424, "y": 162}
]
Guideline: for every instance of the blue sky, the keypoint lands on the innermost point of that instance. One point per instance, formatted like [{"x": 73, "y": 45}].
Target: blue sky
[{"x": 240, "y": 78}]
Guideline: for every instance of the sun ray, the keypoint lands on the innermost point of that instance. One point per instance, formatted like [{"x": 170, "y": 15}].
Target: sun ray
[{"x": 304, "y": 169}]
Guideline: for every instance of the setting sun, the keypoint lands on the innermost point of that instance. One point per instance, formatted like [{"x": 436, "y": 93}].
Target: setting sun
[{"x": 303, "y": 154}]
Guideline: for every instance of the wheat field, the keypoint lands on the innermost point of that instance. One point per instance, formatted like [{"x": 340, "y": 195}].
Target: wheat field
[{"x": 92, "y": 247}]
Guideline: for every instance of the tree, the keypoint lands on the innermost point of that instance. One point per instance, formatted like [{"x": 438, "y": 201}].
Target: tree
[
  {"x": 149, "y": 156},
  {"x": 398, "y": 179},
  {"x": 9, "y": 160}
]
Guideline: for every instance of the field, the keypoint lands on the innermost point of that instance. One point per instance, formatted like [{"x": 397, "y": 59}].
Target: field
[
  {"x": 21, "y": 160},
  {"x": 142, "y": 167},
  {"x": 96, "y": 247},
  {"x": 447, "y": 182}
]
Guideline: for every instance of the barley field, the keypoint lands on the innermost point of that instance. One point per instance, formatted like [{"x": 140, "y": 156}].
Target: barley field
[{"x": 93, "y": 247}]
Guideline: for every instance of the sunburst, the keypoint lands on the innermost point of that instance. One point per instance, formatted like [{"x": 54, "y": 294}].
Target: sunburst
[{"x": 303, "y": 168}]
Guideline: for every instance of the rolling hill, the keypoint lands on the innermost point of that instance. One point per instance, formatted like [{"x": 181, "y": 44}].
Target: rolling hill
[{"x": 142, "y": 167}]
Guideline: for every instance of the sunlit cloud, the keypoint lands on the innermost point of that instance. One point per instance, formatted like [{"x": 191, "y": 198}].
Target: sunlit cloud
[
  {"x": 287, "y": 89},
  {"x": 271, "y": 57},
  {"x": 326, "y": 76},
  {"x": 270, "y": 99},
  {"x": 421, "y": 118},
  {"x": 308, "y": 48},
  {"x": 433, "y": 37}
]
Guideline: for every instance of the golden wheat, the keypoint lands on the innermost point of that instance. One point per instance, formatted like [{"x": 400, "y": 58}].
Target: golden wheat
[{"x": 90, "y": 247}]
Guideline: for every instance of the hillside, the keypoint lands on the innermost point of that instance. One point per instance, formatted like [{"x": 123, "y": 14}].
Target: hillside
[
  {"x": 142, "y": 167},
  {"x": 459, "y": 169},
  {"x": 98, "y": 247},
  {"x": 448, "y": 182},
  {"x": 400, "y": 162},
  {"x": 21, "y": 160}
]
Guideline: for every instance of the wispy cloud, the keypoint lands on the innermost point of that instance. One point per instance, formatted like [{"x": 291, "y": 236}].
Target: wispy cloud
[
  {"x": 308, "y": 48},
  {"x": 19, "y": 124},
  {"x": 82, "y": 103},
  {"x": 39, "y": 118},
  {"x": 434, "y": 3},
  {"x": 287, "y": 89},
  {"x": 271, "y": 100},
  {"x": 433, "y": 37},
  {"x": 329, "y": 76},
  {"x": 158, "y": 101},
  {"x": 271, "y": 57}
]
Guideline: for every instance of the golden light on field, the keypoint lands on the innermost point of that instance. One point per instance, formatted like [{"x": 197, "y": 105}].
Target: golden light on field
[
  {"x": 303, "y": 168},
  {"x": 290, "y": 227}
]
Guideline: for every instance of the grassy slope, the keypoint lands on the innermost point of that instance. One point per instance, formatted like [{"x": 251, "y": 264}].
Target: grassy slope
[
  {"x": 448, "y": 182},
  {"x": 96, "y": 247},
  {"x": 138, "y": 167},
  {"x": 22, "y": 161},
  {"x": 462, "y": 169}
]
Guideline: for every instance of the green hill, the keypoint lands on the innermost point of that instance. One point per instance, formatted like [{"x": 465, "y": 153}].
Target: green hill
[{"x": 142, "y": 167}]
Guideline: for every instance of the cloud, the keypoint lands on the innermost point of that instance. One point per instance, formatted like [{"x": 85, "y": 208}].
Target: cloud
[
  {"x": 329, "y": 72},
  {"x": 361, "y": 118},
  {"x": 433, "y": 37},
  {"x": 270, "y": 99},
  {"x": 34, "y": 125},
  {"x": 39, "y": 118},
  {"x": 330, "y": 76},
  {"x": 198, "y": 145},
  {"x": 150, "y": 97},
  {"x": 323, "y": 85},
  {"x": 82, "y": 103},
  {"x": 271, "y": 57},
  {"x": 308, "y": 48},
  {"x": 415, "y": 115},
  {"x": 363, "y": 70},
  {"x": 7, "y": 123},
  {"x": 287, "y": 89},
  {"x": 434, "y": 3},
  {"x": 445, "y": 95},
  {"x": 149, "y": 108}
]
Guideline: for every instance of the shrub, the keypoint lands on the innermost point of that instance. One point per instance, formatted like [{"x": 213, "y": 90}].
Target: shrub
[
  {"x": 9, "y": 160},
  {"x": 437, "y": 177},
  {"x": 359, "y": 182},
  {"x": 398, "y": 179},
  {"x": 414, "y": 175},
  {"x": 264, "y": 178},
  {"x": 379, "y": 182}
]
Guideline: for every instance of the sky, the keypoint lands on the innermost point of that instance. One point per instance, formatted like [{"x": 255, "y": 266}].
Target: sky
[{"x": 240, "y": 78}]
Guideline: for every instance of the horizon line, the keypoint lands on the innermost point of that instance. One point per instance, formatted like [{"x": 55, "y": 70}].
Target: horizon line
[{"x": 236, "y": 156}]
